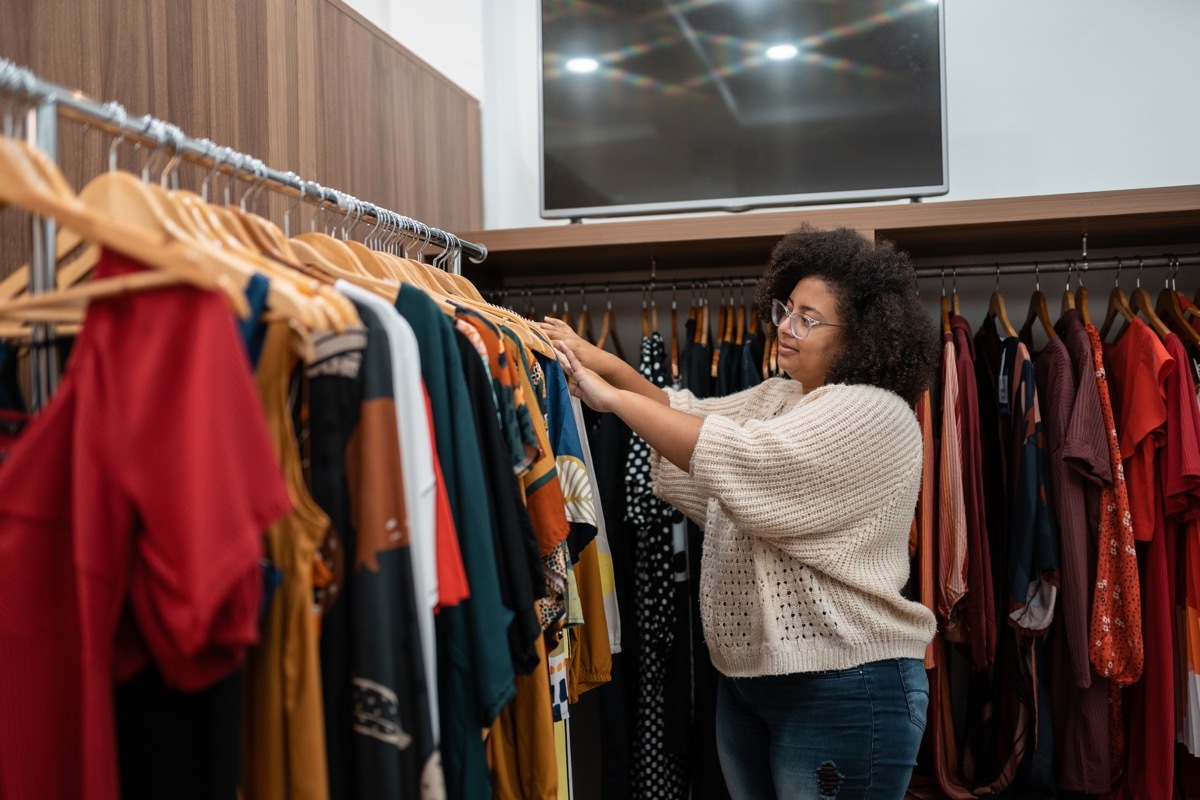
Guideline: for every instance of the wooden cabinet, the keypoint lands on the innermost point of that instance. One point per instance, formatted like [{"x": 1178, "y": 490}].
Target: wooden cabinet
[{"x": 1157, "y": 217}]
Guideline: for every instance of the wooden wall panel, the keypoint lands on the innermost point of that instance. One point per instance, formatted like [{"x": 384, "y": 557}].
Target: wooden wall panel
[{"x": 308, "y": 86}]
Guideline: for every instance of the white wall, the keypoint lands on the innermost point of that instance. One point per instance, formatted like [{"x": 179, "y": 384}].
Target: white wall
[
  {"x": 1044, "y": 97},
  {"x": 446, "y": 34}
]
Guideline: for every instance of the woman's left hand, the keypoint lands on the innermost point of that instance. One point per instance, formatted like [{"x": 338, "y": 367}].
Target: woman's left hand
[{"x": 585, "y": 384}]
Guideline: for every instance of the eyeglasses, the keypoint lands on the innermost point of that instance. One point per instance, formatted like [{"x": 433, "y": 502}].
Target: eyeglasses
[{"x": 780, "y": 314}]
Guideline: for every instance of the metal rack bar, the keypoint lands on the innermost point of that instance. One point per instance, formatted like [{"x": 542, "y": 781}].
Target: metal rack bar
[
  {"x": 1081, "y": 265},
  {"x": 625, "y": 286}
]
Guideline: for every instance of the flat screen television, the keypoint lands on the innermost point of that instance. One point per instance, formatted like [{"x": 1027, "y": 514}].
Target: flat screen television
[{"x": 654, "y": 106}]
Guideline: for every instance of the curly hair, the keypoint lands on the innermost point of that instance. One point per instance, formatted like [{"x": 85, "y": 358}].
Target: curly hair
[{"x": 888, "y": 340}]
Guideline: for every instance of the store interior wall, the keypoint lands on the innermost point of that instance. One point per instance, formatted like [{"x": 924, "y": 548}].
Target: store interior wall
[
  {"x": 445, "y": 34},
  {"x": 1042, "y": 98}
]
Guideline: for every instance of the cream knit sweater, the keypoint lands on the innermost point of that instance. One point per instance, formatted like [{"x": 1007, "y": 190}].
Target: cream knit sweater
[{"x": 806, "y": 501}]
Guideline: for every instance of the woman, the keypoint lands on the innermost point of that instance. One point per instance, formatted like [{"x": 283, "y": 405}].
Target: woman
[{"x": 805, "y": 487}]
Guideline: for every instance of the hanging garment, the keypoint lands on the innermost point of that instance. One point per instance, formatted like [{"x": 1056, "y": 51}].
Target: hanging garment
[
  {"x": 1078, "y": 451},
  {"x": 1033, "y": 558},
  {"x": 657, "y": 773},
  {"x": 283, "y": 734},
  {"x": 1138, "y": 367},
  {"x": 388, "y": 742},
  {"x": 518, "y": 565},
  {"x": 1181, "y": 486},
  {"x": 922, "y": 543},
  {"x": 475, "y": 674},
  {"x": 604, "y": 553},
  {"x": 952, "y": 518},
  {"x": 980, "y": 602},
  {"x": 152, "y": 550},
  {"x": 1115, "y": 628},
  {"x": 752, "y": 352},
  {"x": 608, "y": 440},
  {"x": 420, "y": 490}
]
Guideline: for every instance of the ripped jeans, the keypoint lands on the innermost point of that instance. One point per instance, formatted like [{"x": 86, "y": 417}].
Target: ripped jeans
[{"x": 850, "y": 734}]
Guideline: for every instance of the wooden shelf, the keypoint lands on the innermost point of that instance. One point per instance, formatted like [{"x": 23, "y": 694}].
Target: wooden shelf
[{"x": 1128, "y": 218}]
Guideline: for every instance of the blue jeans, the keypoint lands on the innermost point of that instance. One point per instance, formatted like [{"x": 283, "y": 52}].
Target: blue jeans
[{"x": 850, "y": 734}]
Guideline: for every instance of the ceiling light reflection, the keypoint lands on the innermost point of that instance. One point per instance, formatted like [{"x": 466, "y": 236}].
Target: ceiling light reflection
[
  {"x": 583, "y": 65},
  {"x": 782, "y": 52}
]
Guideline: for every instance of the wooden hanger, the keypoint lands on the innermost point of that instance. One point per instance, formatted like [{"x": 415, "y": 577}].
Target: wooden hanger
[
  {"x": 583, "y": 326},
  {"x": 1118, "y": 306},
  {"x": 1037, "y": 309},
  {"x": 1168, "y": 310},
  {"x": 954, "y": 312},
  {"x": 752, "y": 320},
  {"x": 134, "y": 226},
  {"x": 1068, "y": 297},
  {"x": 1142, "y": 303},
  {"x": 608, "y": 328},
  {"x": 996, "y": 308}
]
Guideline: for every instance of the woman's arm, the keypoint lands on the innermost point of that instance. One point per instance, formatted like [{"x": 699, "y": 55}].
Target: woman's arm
[{"x": 608, "y": 366}]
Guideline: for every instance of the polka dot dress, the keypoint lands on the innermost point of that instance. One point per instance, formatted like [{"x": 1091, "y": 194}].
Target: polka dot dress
[{"x": 657, "y": 774}]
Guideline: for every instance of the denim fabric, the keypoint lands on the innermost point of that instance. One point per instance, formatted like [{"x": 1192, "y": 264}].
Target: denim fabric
[{"x": 851, "y": 734}]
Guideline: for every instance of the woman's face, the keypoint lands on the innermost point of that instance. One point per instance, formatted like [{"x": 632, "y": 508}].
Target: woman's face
[{"x": 807, "y": 358}]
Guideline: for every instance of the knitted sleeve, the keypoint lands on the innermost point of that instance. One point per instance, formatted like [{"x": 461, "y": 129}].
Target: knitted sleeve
[
  {"x": 677, "y": 488},
  {"x": 729, "y": 405},
  {"x": 801, "y": 479},
  {"x": 673, "y": 484}
]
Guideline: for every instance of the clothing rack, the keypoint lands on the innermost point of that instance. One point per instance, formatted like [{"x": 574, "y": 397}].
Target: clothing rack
[{"x": 45, "y": 102}]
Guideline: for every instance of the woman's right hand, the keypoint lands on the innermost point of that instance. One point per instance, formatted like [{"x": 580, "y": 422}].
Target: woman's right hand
[{"x": 560, "y": 334}]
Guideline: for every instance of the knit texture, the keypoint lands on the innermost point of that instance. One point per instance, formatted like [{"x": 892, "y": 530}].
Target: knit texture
[{"x": 806, "y": 501}]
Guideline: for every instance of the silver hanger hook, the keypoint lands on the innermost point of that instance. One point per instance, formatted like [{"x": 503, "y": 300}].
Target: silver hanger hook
[
  {"x": 1037, "y": 277},
  {"x": 439, "y": 260},
  {"x": 156, "y": 130},
  {"x": 230, "y": 157},
  {"x": 997, "y": 276},
  {"x": 359, "y": 208},
  {"x": 1139, "y": 275},
  {"x": 426, "y": 238},
  {"x": 1174, "y": 271},
  {"x": 247, "y": 164},
  {"x": 1070, "y": 266},
  {"x": 260, "y": 167},
  {"x": 456, "y": 255},
  {"x": 344, "y": 203},
  {"x": 170, "y": 173},
  {"x": 318, "y": 193},
  {"x": 287, "y": 211},
  {"x": 943, "y": 280},
  {"x": 373, "y": 210},
  {"x": 1117, "y": 279},
  {"x": 117, "y": 116},
  {"x": 387, "y": 230},
  {"x": 1082, "y": 271},
  {"x": 213, "y": 152}
]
